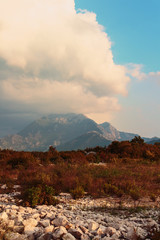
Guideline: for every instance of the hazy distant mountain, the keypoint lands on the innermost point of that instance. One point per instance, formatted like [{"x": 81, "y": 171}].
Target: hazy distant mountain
[
  {"x": 65, "y": 132},
  {"x": 154, "y": 140},
  {"x": 90, "y": 139}
]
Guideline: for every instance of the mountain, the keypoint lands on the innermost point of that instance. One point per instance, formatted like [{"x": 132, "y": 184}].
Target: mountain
[
  {"x": 153, "y": 140},
  {"x": 55, "y": 130},
  {"x": 113, "y": 134},
  {"x": 65, "y": 132},
  {"x": 90, "y": 140}
]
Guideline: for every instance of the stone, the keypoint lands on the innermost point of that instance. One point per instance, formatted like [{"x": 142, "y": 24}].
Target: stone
[
  {"x": 49, "y": 229},
  {"x": 93, "y": 226},
  {"x": 45, "y": 223},
  {"x": 68, "y": 236},
  {"x": 59, "y": 232},
  {"x": 30, "y": 230},
  {"x": 84, "y": 229},
  {"x": 4, "y": 186},
  {"x": 14, "y": 236},
  {"x": 141, "y": 233},
  {"x": 4, "y": 216},
  {"x": 18, "y": 229},
  {"x": 97, "y": 238},
  {"x": 85, "y": 237},
  {"x": 45, "y": 236},
  {"x": 60, "y": 221},
  {"x": 11, "y": 223},
  {"x": 59, "y": 206},
  {"x": 131, "y": 233},
  {"x": 77, "y": 233},
  {"x": 110, "y": 230},
  {"x": 36, "y": 216},
  {"x": 30, "y": 222}
]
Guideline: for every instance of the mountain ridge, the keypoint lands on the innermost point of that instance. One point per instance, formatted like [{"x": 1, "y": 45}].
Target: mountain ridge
[{"x": 68, "y": 131}]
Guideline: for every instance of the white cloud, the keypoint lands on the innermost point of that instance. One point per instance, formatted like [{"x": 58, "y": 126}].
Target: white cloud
[
  {"x": 65, "y": 57},
  {"x": 136, "y": 71},
  {"x": 48, "y": 96}
]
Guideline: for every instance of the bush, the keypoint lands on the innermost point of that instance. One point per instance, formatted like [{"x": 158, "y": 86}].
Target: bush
[
  {"x": 113, "y": 190},
  {"x": 78, "y": 192},
  {"x": 135, "y": 194},
  {"x": 39, "y": 195}
]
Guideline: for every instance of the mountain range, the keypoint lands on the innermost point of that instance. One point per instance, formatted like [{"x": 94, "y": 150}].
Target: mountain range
[{"x": 65, "y": 132}]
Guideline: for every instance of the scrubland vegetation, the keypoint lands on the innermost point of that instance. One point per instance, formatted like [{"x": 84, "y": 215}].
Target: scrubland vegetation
[{"x": 123, "y": 168}]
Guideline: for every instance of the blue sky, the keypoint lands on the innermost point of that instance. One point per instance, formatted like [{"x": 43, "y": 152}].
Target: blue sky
[
  {"x": 134, "y": 29},
  {"x": 56, "y": 58}
]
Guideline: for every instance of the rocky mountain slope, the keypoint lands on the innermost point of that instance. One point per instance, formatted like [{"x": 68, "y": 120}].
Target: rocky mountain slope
[{"x": 65, "y": 132}]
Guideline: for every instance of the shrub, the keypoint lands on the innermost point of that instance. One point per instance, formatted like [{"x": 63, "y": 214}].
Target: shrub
[
  {"x": 39, "y": 195},
  {"x": 135, "y": 194},
  {"x": 78, "y": 192},
  {"x": 113, "y": 190}
]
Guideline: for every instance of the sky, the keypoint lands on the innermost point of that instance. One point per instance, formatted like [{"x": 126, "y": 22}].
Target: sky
[{"x": 99, "y": 58}]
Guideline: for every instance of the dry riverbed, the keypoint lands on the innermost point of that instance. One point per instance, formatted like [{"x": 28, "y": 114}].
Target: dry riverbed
[{"x": 87, "y": 218}]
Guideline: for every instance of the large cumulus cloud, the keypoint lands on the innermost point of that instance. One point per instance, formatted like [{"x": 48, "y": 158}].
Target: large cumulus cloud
[{"x": 55, "y": 59}]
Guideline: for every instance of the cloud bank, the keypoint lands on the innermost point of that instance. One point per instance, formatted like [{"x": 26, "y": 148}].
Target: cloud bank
[{"x": 55, "y": 59}]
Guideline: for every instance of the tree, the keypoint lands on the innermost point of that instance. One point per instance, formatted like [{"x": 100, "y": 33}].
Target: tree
[{"x": 138, "y": 140}]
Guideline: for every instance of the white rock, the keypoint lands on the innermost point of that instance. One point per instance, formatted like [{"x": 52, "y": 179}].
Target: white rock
[
  {"x": 93, "y": 226},
  {"x": 11, "y": 223},
  {"x": 30, "y": 222},
  {"x": 59, "y": 232},
  {"x": 59, "y": 206},
  {"x": 16, "y": 186},
  {"x": 60, "y": 221},
  {"x": 15, "y": 207},
  {"x": 141, "y": 232},
  {"x": 4, "y": 216},
  {"x": 36, "y": 215},
  {"x": 28, "y": 230},
  {"x": 110, "y": 230},
  {"x": 18, "y": 219},
  {"x": 45, "y": 223},
  {"x": 4, "y": 186},
  {"x": 131, "y": 233},
  {"x": 49, "y": 229}
]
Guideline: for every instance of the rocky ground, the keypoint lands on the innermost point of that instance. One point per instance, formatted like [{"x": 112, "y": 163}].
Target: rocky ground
[{"x": 75, "y": 219}]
